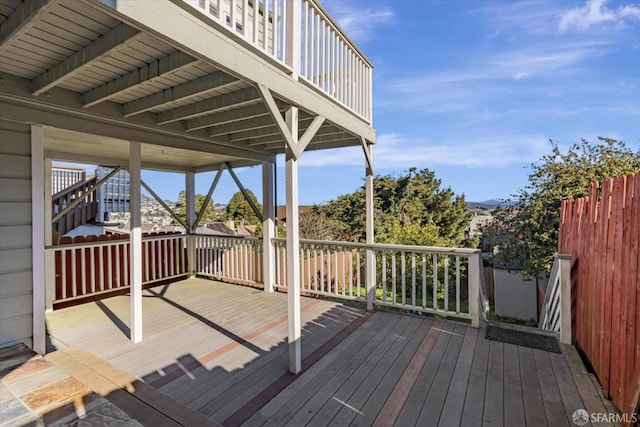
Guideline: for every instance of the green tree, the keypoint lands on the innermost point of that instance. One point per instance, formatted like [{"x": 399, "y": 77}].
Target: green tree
[
  {"x": 181, "y": 207},
  {"x": 239, "y": 209},
  {"x": 526, "y": 233},
  {"x": 410, "y": 209}
]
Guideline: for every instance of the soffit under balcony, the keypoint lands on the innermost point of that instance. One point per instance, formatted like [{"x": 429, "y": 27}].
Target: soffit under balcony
[{"x": 70, "y": 65}]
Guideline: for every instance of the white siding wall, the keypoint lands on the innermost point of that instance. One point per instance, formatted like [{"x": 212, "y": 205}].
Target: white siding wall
[{"x": 16, "y": 306}]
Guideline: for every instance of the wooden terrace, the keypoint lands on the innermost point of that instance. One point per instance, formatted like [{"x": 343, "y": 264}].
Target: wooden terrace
[{"x": 359, "y": 367}]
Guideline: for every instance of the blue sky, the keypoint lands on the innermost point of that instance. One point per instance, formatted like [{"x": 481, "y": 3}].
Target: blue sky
[{"x": 474, "y": 90}]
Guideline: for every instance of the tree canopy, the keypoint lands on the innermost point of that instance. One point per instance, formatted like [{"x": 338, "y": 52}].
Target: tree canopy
[
  {"x": 410, "y": 209},
  {"x": 181, "y": 207},
  {"x": 239, "y": 209},
  {"x": 526, "y": 232}
]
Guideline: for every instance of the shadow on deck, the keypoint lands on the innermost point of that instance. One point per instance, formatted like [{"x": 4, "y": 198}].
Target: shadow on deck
[{"x": 221, "y": 350}]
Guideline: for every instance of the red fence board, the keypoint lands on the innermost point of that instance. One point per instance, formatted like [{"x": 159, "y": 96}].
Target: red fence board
[{"x": 602, "y": 234}]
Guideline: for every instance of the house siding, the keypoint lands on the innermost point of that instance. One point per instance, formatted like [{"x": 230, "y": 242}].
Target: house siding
[{"x": 16, "y": 283}]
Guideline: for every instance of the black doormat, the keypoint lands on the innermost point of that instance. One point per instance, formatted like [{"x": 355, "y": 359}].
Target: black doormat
[{"x": 523, "y": 338}]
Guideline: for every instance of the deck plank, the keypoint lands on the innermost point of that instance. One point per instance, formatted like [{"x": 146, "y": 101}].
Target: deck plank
[
  {"x": 554, "y": 408},
  {"x": 493, "y": 414},
  {"x": 534, "y": 412},
  {"x": 513, "y": 404},
  {"x": 334, "y": 380},
  {"x": 474, "y": 399},
  {"x": 413, "y": 405},
  {"x": 454, "y": 403},
  {"x": 378, "y": 395},
  {"x": 280, "y": 409},
  {"x": 343, "y": 398}
]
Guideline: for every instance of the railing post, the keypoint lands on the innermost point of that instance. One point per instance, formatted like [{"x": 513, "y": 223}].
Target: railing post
[
  {"x": 370, "y": 271},
  {"x": 268, "y": 226},
  {"x": 565, "y": 299},
  {"x": 475, "y": 261}
]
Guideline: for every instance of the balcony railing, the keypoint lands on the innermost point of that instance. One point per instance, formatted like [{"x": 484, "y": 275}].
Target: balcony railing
[{"x": 328, "y": 60}]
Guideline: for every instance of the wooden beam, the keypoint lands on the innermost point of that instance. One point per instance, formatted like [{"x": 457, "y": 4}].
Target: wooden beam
[
  {"x": 277, "y": 117},
  {"x": 370, "y": 256},
  {"x": 255, "y": 133},
  {"x": 244, "y": 125},
  {"x": 207, "y": 199},
  {"x": 226, "y": 117},
  {"x": 147, "y": 73},
  {"x": 268, "y": 225},
  {"x": 199, "y": 86},
  {"x": 72, "y": 65},
  {"x": 135, "y": 237},
  {"x": 22, "y": 20},
  {"x": 244, "y": 192},
  {"x": 368, "y": 154},
  {"x": 163, "y": 204},
  {"x": 309, "y": 134},
  {"x": 208, "y": 106}
]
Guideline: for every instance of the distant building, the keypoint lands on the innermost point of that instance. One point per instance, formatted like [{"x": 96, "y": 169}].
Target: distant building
[
  {"x": 477, "y": 223},
  {"x": 113, "y": 195}
]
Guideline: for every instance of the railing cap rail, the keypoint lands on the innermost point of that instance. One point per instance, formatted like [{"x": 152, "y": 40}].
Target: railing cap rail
[{"x": 390, "y": 247}]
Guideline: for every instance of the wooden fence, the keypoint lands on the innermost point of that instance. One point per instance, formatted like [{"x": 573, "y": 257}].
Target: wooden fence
[{"x": 602, "y": 234}]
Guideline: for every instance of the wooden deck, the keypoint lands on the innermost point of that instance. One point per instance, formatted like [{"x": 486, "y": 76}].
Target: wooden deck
[{"x": 221, "y": 349}]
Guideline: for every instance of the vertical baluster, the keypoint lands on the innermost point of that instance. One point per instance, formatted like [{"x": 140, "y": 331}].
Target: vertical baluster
[
  {"x": 350, "y": 266},
  {"x": 83, "y": 271},
  {"x": 329, "y": 270},
  {"x": 316, "y": 35},
  {"x": 265, "y": 26},
  {"x": 315, "y": 268},
  {"x": 322, "y": 276},
  {"x": 393, "y": 276},
  {"x": 232, "y": 15},
  {"x": 116, "y": 248},
  {"x": 457, "y": 284},
  {"x": 109, "y": 248},
  {"x": 424, "y": 281},
  {"x": 413, "y": 279},
  {"x": 384, "y": 276},
  {"x": 101, "y": 266},
  {"x": 256, "y": 13},
  {"x": 125, "y": 264},
  {"x": 358, "y": 266},
  {"x": 92, "y": 268},
  {"x": 403, "y": 274},
  {"x": 63, "y": 275},
  {"x": 446, "y": 282},
  {"x": 435, "y": 281},
  {"x": 344, "y": 270},
  {"x": 276, "y": 24},
  {"x": 245, "y": 18}
]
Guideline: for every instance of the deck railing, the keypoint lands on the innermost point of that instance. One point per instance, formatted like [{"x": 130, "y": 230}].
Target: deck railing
[
  {"x": 96, "y": 265},
  {"x": 329, "y": 60},
  {"x": 444, "y": 281},
  {"x": 230, "y": 258},
  {"x": 556, "y": 309}
]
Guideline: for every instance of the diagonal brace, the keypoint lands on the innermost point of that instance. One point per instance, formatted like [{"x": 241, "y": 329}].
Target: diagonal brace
[
  {"x": 244, "y": 193},
  {"x": 164, "y": 205}
]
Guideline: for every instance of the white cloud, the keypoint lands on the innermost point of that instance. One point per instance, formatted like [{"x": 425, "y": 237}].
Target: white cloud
[
  {"x": 398, "y": 151},
  {"x": 358, "y": 22},
  {"x": 595, "y": 12}
]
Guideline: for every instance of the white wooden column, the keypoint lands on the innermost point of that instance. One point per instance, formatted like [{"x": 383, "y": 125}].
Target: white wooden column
[
  {"x": 268, "y": 225},
  {"x": 50, "y": 268},
  {"x": 370, "y": 272},
  {"x": 293, "y": 251},
  {"x": 37, "y": 238},
  {"x": 135, "y": 236},
  {"x": 190, "y": 202}
]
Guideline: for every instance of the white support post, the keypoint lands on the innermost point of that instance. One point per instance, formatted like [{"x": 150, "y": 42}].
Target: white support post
[
  {"x": 293, "y": 252},
  {"x": 50, "y": 268},
  {"x": 370, "y": 272},
  {"x": 190, "y": 201},
  {"x": 565, "y": 299},
  {"x": 475, "y": 261},
  {"x": 38, "y": 238},
  {"x": 268, "y": 225},
  {"x": 135, "y": 236}
]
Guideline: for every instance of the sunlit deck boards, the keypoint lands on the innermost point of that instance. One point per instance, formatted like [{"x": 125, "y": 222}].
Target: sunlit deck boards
[{"x": 220, "y": 349}]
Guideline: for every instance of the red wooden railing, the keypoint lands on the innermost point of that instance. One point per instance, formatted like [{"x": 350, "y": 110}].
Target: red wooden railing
[
  {"x": 602, "y": 234},
  {"x": 82, "y": 213}
]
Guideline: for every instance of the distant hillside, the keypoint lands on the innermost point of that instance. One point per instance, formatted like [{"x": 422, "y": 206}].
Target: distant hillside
[{"x": 489, "y": 204}]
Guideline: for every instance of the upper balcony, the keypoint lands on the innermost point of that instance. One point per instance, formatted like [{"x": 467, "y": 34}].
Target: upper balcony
[{"x": 203, "y": 79}]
